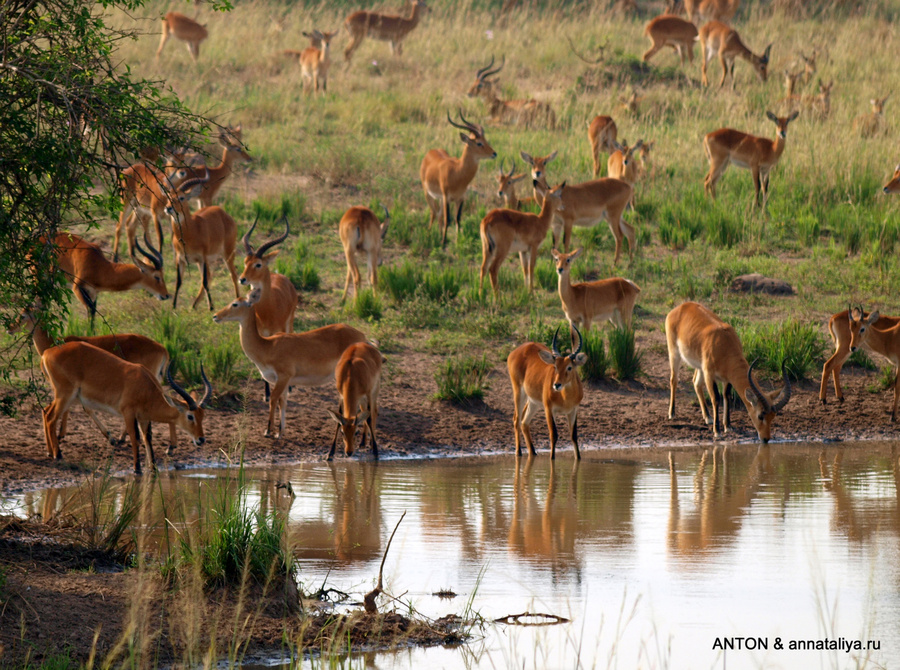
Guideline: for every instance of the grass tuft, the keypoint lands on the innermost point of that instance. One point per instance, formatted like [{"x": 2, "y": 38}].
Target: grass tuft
[{"x": 462, "y": 379}]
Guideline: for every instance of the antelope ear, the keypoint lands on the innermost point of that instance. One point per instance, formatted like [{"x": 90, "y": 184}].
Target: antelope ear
[
  {"x": 270, "y": 255},
  {"x": 337, "y": 417},
  {"x": 772, "y": 117},
  {"x": 580, "y": 358},
  {"x": 555, "y": 254},
  {"x": 749, "y": 396},
  {"x": 873, "y": 317},
  {"x": 794, "y": 115},
  {"x": 526, "y": 157},
  {"x": 361, "y": 417},
  {"x": 546, "y": 356},
  {"x": 551, "y": 156},
  {"x": 465, "y": 138}
]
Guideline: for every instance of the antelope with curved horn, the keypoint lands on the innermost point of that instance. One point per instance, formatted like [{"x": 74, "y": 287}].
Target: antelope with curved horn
[
  {"x": 446, "y": 179},
  {"x": 854, "y": 329},
  {"x": 506, "y": 186},
  {"x": 288, "y": 359},
  {"x": 360, "y": 231},
  {"x": 717, "y": 38},
  {"x": 525, "y": 112},
  {"x": 104, "y": 382},
  {"x": 671, "y": 31},
  {"x": 386, "y": 27},
  {"x": 545, "y": 377},
  {"x": 602, "y": 133},
  {"x": 185, "y": 29},
  {"x": 697, "y": 337},
  {"x": 358, "y": 378},
  {"x": 90, "y": 272}
]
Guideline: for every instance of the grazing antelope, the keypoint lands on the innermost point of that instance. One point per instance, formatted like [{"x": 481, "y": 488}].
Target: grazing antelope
[
  {"x": 185, "y": 29},
  {"x": 703, "y": 341},
  {"x": 717, "y": 38},
  {"x": 853, "y": 329},
  {"x": 623, "y": 164},
  {"x": 104, "y": 382},
  {"x": 90, "y": 272},
  {"x": 671, "y": 31},
  {"x": 288, "y": 359},
  {"x": 711, "y": 10},
  {"x": 446, "y": 179},
  {"x": 315, "y": 60},
  {"x": 506, "y": 186},
  {"x": 505, "y": 231},
  {"x": 585, "y": 302},
  {"x": 233, "y": 149},
  {"x": 358, "y": 378},
  {"x": 386, "y": 27},
  {"x": 541, "y": 376},
  {"x": 870, "y": 125},
  {"x": 758, "y": 154},
  {"x": 360, "y": 231},
  {"x": 200, "y": 238},
  {"x": 528, "y": 113},
  {"x": 602, "y": 134},
  {"x": 893, "y": 186}
]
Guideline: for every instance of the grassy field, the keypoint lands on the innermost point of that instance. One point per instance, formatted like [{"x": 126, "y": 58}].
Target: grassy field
[{"x": 828, "y": 229}]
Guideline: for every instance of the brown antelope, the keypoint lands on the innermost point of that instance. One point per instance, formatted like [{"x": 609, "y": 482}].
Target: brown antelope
[
  {"x": 711, "y": 10},
  {"x": 89, "y": 271},
  {"x": 446, "y": 179},
  {"x": 671, "y": 31},
  {"x": 358, "y": 378},
  {"x": 106, "y": 383},
  {"x": 506, "y": 187},
  {"x": 505, "y": 231},
  {"x": 758, "y": 154},
  {"x": 288, "y": 359},
  {"x": 893, "y": 186},
  {"x": 386, "y": 27},
  {"x": 541, "y": 376},
  {"x": 870, "y": 125},
  {"x": 127, "y": 346},
  {"x": 717, "y": 38},
  {"x": 233, "y": 149},
  {"x": 200, "y": 238},
  {"x": 538, "y": 169},
  {"x": 585, "y": 302},
  {"x": 315, "y": 60},
  {"x": 360, "y": 231},
  {"x": 809, "y": 65},
  {"x": 185, "y": 29},
  {"x": 853, "y": 329},
  {"x": 703, "y": 341},
  {"x": 623, "y": 164},
  {"x": 790, "y": 83},
  {"x": 602, "y": 134},
  {"x": 528, "y": 113}
]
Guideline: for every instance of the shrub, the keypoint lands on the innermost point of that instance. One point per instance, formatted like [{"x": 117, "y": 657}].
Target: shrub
[
  {"x": 624, "y": 359},
  {"x": 598, "y": 362},
  {"x": 400, "y": 281},
  {"x": 800, "y": 345},
  {"x": 366, "y": 305},
  {"x": 462, "y": 379}
]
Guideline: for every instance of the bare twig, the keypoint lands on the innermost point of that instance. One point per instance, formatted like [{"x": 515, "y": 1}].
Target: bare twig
[{"x": 369, "y": 599}]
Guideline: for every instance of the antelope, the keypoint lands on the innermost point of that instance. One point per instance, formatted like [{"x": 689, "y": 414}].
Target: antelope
[
  {"x": 89, "y": 271},
  {"x": 538, "y": 169},
  {"x": 314, "y": 61},
  {"x": 602, "y": 133},
  {"x": 757, "y": 154},
  {"x": 127, "y": 346},
  {"x": 295, "y": 359},
  {"x": 525, "y": 112},
  {"x": 506, "y": 186},
  {"x": 504, "y": 231},
  {"x": 445, "y": 179},
  {"x": 671, "y": 31},
  {"x": 358, "y": 378},
  {"x": 893, "y": 186},
  {"x": 541, "y": 376},
  {"x": 809, "y": 65},
  {"x": 703, "y": 341},
  {"x": 185, "y": 29},
  {"x": 585, "y": 302},
  {"x": 869, "y": 125},
  {"x": 711, "y": 10},
  {"x": 790, "y": 83},
  {"x": 623, "y": 164},
  {"x": 233, "y": 149},
  {"x": 360, "y": 231},
  {"x": 200, "y": 237},
  {"x": 820, "y": 103},
  {"x": 104, "y": 382},
  {"x": 386, "y": 27},
  {"x": 853, "y": 329},
  {"x": 718, "y": 38}
]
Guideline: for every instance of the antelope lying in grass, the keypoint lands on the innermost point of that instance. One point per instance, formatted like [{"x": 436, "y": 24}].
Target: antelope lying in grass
[
  {"x": 358, "y": 378},
  {"x": 528, "y": 113},
  {"x": 545, "y": 377}
]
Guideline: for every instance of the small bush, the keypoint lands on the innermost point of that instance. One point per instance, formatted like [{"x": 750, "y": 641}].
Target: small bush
[
  {"x": 800, "y": 345},
  {"x": 222, "y": 362},
  {"x": 462, "y": 379},
  {"x": 441, "y": 283},
  {"x": 624, "y": 359},
  {"x": 400, "y": 281},
  {"x": 367, "y": 305},
  {"x": 598, "y": 362}
]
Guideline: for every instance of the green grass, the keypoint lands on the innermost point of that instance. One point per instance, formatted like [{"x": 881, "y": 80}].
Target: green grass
[
  {"x": 598, "y": 363},
  {"x": 624, "y": 358},
  {"x": 462, "y": 379},
  {"x": 801, "y": 346}
]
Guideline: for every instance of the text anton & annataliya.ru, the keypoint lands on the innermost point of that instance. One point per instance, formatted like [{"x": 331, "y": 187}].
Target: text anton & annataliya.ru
[{"x": 762, "y": 643}]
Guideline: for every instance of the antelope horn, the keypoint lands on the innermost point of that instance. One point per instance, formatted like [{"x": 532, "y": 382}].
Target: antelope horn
[
  {"x": 208, "y": 389},
  {"x": 478, "y": 130},
  {"x": 246, "y": 238},
  {"x": 493, "y": 72},
  {"x": 512, "y": 169},
  {"x": 580, "y": 342},
  {"x": 278, "y": 240},
  {"x": 759, "y": 394},
  {"x": 387, "y": 214},
  {"x": 191, "y": 403},
  {"x": 153, "y": 255},
  {"x": 553, "y": 346},
  {"x": 455, "y": 124},
  {"x": 481, "y": 72},
  {"x": 502, "y": 163},
  {"x": 785, "y": 394}
]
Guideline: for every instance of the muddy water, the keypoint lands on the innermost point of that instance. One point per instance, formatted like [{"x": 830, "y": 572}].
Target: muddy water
[{"x": 713, "y": 562}]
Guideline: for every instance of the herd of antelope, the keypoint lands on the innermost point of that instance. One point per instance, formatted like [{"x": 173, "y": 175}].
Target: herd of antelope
[{"x": 123, "y": 374}]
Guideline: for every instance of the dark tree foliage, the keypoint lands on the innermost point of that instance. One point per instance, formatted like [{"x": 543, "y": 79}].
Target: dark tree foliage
[{"x": 71, "y": 118}]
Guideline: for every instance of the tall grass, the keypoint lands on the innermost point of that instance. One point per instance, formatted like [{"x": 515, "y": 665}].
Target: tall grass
[
  {"x": 462, "y": 379},
  {"x": 624, "y": 358},
  {"x": 595, "y": 369},
  {"x": 801, "y": 346}
]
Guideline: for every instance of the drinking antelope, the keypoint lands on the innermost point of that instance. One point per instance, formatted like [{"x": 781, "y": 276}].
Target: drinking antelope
[
  {"x": 758, "y": 154},
  {"x": 541, "y": 376},
  {"x": 185, "y": 29},
  {"x": 315, "y": 60},
  {"x": 671, "y": 31},
  {"x": 718, "y": 38},
  {"x": 106, "y": 383},
  {"x": 703, "y": 341},
  {"x": 358, "y": 378},
  {"x": 602, "y": 133},
  {"x": 360, "y": 231},
  {"x": 505, "y": 231},
  {"x": 870, "y": 125},
  {"x": 853, "y": 329},
  {"x": 386, "y": 27},
  {"x": 288, "y": 359},
  {"x": 528, "y": 113},
  {"x": 446, "y": 179}
]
